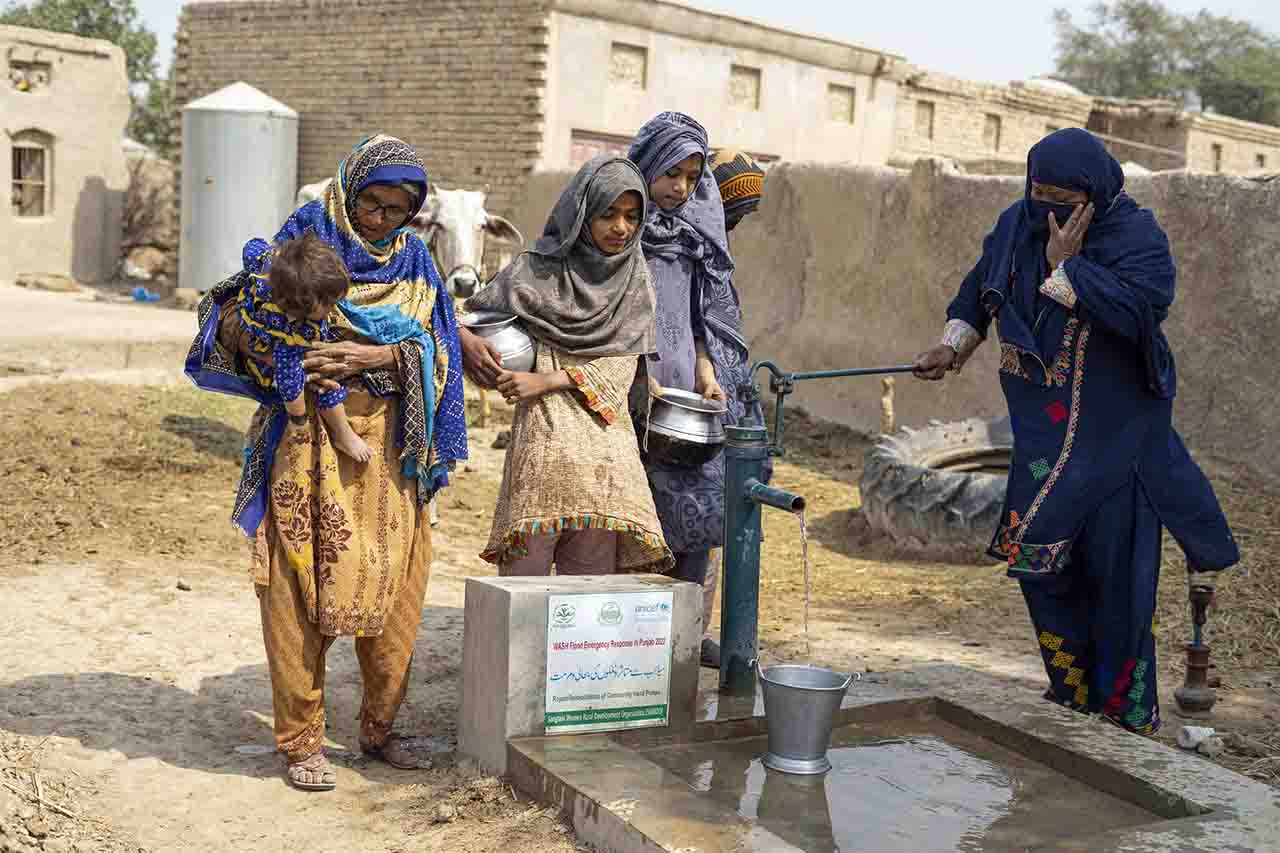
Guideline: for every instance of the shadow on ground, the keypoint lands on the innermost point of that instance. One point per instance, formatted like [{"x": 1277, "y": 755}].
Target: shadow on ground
[
  {"x": 141, "y": 717},
  {"x": 207, "y": 435}
]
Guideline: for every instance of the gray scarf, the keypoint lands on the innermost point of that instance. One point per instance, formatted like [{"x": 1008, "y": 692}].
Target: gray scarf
[{"x": 569, "y": 294}]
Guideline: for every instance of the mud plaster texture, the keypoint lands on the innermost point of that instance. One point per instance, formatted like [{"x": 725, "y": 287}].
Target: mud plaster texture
[
  {"x": 76, "y": 113},
  {"x": 853, "y": 266}
]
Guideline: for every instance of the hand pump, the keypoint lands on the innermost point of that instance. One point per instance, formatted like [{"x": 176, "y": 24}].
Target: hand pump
[{"x": 747, "y": 448}]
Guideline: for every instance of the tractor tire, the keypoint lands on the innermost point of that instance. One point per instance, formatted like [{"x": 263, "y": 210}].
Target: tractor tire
[{"x": 940, "y": 489}]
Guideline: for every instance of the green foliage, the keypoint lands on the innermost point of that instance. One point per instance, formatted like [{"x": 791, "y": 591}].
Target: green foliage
[
  {"x": 115, "y": 21},
  {"x": 152, "y": 121},
  {"x": 1142, "y": 49}
]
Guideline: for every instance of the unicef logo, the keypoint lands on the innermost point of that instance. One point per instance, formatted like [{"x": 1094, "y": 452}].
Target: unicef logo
[
  {"x": 564, "y": 615},
  {"x": 657, "y": 612},
  {"x": 610, "y": 614}
]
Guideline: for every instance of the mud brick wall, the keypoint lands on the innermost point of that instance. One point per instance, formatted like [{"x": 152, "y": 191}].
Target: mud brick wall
[
  {"x": 1240, "y": 146},
  {"x": 461, "y": 80},
  {"x": 960, "y": 128},
  {"x": 854, "y": 266}
]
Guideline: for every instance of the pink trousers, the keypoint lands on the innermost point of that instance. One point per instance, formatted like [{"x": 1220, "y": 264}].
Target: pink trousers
[{"x": 574, "y": 552}]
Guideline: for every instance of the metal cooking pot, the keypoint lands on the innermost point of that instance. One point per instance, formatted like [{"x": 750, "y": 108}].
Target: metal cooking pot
[
  {"x": 504, "y": 333},
  {"x": 684, "y": 429}
]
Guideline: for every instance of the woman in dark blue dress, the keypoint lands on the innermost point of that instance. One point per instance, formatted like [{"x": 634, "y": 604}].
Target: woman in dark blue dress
[{"x": 1078, "y": 279}]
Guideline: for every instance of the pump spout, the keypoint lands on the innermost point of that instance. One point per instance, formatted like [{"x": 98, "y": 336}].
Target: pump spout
[{"x": 769, "y": 496}]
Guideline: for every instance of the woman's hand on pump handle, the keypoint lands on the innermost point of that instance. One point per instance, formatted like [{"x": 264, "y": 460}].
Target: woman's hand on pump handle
[{"x": 933, "y": 364}]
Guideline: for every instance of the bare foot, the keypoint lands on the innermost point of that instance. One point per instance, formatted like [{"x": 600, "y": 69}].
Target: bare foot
[
  {"x": 313, "y": 774},
  {"x": 343, "y": 436},
  {"x": 352, "y": 445}
]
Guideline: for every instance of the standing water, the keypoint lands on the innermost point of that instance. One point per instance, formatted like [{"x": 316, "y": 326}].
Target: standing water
[{"x": 804, "y": 558}]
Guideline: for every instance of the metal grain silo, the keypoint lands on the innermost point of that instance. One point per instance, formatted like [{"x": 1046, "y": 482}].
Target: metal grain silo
[{"x": 239, "y": 178}]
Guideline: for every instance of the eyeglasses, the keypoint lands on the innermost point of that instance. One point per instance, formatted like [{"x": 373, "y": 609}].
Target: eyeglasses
[{"x": 392, "y": 212}]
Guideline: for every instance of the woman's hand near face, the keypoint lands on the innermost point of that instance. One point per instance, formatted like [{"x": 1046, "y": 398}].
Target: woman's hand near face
[{"x": 1067, "y": 240}]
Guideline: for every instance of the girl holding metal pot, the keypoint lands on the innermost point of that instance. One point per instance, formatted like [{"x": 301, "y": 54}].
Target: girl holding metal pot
[
  {"x": 573, "y": 490},
  {"x": 701, "y": 347}
]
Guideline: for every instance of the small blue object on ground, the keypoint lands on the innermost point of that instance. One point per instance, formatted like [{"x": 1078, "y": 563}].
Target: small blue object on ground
[{"x": 141, "y": 294}]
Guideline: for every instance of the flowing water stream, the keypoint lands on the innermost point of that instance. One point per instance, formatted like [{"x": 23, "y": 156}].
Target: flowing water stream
[{"x": 804, "y": 558}]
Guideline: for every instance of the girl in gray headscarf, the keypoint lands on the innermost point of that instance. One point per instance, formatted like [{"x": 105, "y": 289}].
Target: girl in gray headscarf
[{"x": 574, "y": 492}]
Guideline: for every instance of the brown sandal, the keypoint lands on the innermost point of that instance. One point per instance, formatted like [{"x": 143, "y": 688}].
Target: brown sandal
[{"x": 317, "y": 766}]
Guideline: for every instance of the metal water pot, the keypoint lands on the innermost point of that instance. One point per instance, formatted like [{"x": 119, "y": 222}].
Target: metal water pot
[
  {"x": 684, "y": 429},
  {"x": 504, "y": 333}
]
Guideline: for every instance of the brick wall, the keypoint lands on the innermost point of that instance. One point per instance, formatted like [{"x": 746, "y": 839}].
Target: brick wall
[
  {"x": 461, "y": 80},
  {"x": 966, "y": 116},
  {"x": 1137, "y": 124},
  {"x": 1237, "y": 153},
  {"x": 1207, "y": 142}
]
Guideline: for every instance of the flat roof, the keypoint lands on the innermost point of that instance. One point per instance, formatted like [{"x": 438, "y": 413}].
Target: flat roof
[
  {"x": 58, "y": 41},
  {"x": 687, "y": 20},
  {"x": 756, "y": 22}
]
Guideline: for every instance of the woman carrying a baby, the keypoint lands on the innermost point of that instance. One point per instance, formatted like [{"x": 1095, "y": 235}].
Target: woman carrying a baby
[{"x": 346, "y": 301}]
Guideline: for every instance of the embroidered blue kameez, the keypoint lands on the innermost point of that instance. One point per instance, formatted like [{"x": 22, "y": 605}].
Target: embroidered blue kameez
[{"x": 1098, "y": 471}]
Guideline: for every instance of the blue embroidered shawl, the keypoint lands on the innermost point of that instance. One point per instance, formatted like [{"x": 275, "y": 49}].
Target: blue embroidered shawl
[
  {"x": 397, "y": 297},
  {"x": 1124, "y": 275}
]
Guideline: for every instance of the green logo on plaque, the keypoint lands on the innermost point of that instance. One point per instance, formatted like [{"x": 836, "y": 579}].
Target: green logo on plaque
[
  {"x": 564, "y": 614},
  {"x": 611, "y": 614}
]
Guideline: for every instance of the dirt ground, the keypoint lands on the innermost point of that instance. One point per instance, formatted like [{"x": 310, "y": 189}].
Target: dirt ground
[{"x": 135, "y": 714}]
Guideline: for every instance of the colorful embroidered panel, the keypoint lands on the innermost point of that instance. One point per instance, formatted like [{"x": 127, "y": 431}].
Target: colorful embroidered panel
[
  {"x": 1011, "y": 362},
  {"x": 1061, "y": 368},
  {"x": 1133, "y": 702},
  {"x": 1027, "y": 558},
  {"x": 1064, "y": 677},
  {"x": 1057, "y": 373}
]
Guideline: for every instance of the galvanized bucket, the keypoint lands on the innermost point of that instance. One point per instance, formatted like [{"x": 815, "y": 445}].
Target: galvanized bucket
[{"x": 800, "y": 705}]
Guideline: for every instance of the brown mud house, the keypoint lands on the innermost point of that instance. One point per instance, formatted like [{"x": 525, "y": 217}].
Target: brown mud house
[
  {"x": 492, "y": 90},
  {"x": 64, "y": 102}
]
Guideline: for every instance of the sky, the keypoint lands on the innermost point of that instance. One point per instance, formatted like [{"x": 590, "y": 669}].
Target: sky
[{"x": 990, "y": 40}]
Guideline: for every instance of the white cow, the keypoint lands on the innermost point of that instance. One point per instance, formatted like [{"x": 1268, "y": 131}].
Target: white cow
[{"x": 455, "y": 225}]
